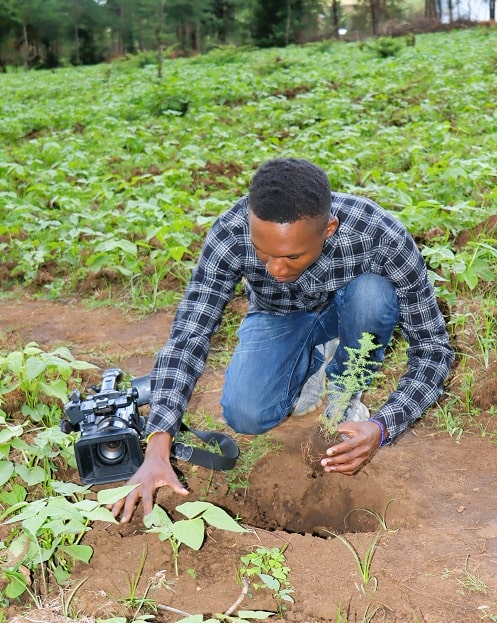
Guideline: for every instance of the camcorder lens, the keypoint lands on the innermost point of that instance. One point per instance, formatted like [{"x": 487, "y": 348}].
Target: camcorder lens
[{"x": 111, "y": 452}]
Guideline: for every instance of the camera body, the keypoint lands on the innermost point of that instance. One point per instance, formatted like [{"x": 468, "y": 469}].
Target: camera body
[{"x": 111, "y": 426}]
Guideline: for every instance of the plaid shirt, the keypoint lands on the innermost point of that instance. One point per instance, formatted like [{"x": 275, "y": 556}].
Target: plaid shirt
[{"x": 368, "y": 239}]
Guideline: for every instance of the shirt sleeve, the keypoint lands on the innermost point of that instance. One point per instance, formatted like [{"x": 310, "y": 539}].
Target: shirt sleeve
[
  {"x": 430, "y": 355},
  {"x": 181, "y": 361}
]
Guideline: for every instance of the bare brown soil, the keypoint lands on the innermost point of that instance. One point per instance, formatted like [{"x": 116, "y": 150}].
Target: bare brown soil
[{"x": 436, "y": 563}]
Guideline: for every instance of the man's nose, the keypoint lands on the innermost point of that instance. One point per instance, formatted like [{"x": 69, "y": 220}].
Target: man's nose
[{"x": 275, "y": 266}]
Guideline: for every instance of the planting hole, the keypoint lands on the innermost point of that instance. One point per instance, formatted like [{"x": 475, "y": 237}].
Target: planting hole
[
  {"x": 285, "y": 494},
  {"x": 323, "y": 504}
]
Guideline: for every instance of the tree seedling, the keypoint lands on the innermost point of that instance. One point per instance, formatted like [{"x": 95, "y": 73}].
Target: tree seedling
[{"x": 358, "y": 374}]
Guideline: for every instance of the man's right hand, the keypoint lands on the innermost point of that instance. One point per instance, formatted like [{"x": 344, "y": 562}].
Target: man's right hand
[{"x": 155, "y": 471}]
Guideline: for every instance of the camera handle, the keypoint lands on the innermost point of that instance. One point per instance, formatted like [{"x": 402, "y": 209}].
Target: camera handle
[{"x": 205, "y": 458}]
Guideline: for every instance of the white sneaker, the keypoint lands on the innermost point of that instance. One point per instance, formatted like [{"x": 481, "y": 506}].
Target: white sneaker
[
  {"x": 311, "y": 396},
  {"x": 342, "y": 408}
]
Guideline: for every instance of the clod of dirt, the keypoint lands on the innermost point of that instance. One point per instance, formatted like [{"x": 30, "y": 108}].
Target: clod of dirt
[{"x": 314, "y": 448}]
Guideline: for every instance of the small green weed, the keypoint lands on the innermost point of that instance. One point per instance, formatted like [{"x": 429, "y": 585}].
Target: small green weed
[
  {"x": 363, "y": 564},
  {"x": 132, "y": 600},
  {"x": 250, "y": 453},
  {"x": 448, "y": 418},
  {"x": 380, "y": 518},
  {"x": 269, "y": 564},
  {"x": 367, "y": 617},
  {"x": 387, "y": 46},
  {"x": 470, "y": 582}
]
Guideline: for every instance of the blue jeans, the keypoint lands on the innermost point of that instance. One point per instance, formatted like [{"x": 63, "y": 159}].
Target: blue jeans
[{"x": 276, "y": 354}]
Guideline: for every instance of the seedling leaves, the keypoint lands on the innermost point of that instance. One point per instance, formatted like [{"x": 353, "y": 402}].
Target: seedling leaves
[
  {"x": 211, "y": 514},
  {"x": 190, "y": 532},
  {"x": 110, "y": 496}
]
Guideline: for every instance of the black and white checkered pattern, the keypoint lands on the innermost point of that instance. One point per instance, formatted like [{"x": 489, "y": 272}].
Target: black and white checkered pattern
[{"x": 368, "y": 239}]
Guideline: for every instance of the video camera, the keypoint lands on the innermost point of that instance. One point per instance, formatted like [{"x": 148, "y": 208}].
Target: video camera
[{"x": 111, "y": 427}]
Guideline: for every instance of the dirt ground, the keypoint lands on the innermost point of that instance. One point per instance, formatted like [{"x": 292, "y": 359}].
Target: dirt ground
[{"x": 435, "y": 563}]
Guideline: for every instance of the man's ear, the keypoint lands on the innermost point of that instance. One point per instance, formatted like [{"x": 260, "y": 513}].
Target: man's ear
[{"x": 332, "y": 226}]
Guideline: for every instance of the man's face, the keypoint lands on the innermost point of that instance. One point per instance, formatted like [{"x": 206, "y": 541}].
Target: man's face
[{"x": 288, "y": 249}]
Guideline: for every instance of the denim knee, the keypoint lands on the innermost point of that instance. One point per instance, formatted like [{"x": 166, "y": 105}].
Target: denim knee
[{"x": 249, "y": 420}]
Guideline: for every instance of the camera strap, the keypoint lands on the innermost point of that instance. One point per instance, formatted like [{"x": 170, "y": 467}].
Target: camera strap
[{"x": 223, "y": 458}]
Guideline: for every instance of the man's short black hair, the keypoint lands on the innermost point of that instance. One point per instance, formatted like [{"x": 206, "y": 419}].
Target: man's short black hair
[{"x": 286, "y": 190}]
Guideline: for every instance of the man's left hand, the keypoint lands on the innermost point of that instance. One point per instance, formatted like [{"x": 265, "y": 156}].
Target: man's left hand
[{"x": 349, "y": 456}]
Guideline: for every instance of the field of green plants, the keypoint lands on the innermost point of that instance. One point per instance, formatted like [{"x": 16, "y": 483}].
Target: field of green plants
[
  {"x": 107, "y": 172},
  {"x": 109, "y": 180}
]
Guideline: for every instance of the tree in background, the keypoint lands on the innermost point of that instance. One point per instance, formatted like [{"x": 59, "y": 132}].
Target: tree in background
[
  {"x": 86, "y": 26},
  {"x": 24, "y": 20},
  {"x": 369, "y": 15},
  {"x": 223, "y": 19},
  {"x": 267, "y": 26},
  {"x": 187, "y": 17},
  {"x": 280, "y": 22},
  {"x": 336, "y": 16},
  {"x": 47, "y": 33},
  {"x": 122, "y": 20},
  {"x": 8, "y": 26},
  {"x": 431, "y": 9}
]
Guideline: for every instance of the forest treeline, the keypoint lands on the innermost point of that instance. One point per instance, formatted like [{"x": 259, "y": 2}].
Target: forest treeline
[{"x": 50, "y": 33}]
